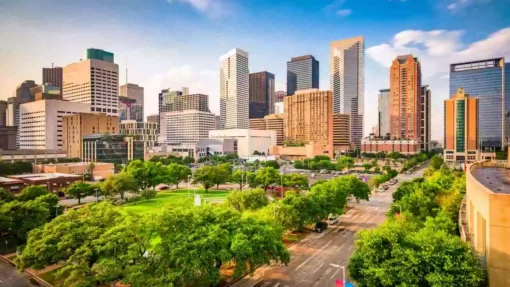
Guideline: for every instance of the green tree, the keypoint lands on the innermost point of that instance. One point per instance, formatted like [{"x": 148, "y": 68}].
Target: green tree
[
  {"x": 296, "y": 181},
  {"x": 367, "y": 166},
  {"x": 146, "y": 174},
  {"x": 20, "y": 217},
  {"x": 241, "y": 177},
  {"x": 248, "y": 200},
  {"x": 205, "y": 176},
  {"x": 148, "y": 194},
  {"x": 345, "y": 162},
  {"x": 32, "y": 192},
  {"x": 188, "y": 160},
  {"x": 78, "y": 190},
  {"x": 221, "y": 174},
  {"x": 6, "y": 196},
  {"x": 178, "y": 173},
  {"x": 119, "y": 184},
  {"x": 271, "y": 163},
  {"x": 267, "y": 176}
]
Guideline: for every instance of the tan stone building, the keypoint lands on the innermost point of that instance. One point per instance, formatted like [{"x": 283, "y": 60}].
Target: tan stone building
[
  {"x": 405, "y": 93},
  {"x": 272, "y": 122},
  {"x": 308, "y": 118},
  {"x": 99, "y": 170},
  {"x": 76, "y": 126},
  {"x": 341, "y": 133},
  {"x": 485, "y": 218}
]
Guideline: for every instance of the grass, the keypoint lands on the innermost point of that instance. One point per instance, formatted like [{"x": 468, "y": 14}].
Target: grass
[{"x": 170, "y": 198}]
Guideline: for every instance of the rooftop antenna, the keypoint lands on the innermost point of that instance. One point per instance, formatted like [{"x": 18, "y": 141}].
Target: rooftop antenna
[
  {"x": 52, "y": 65},
  {"x": 126, "y": 71}
]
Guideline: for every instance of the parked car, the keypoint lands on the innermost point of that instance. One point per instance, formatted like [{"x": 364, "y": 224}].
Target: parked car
[
  {"x": 380, "y": 189},
  {"x": 385, "y": 187},
  {"x": 332, "y": 220},
  {"x": 320, "y": 226},
  {"x": 312, "y": 175}
]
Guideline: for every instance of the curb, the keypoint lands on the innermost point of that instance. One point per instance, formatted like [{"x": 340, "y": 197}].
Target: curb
[{"x": 39, "y": 280}]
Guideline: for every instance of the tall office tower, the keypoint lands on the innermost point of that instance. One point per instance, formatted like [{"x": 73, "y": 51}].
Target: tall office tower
[
  {"x": 95, "y": 81},
  {"x": 75, "y": 127},
  {"x": 41, "y": 123},
  {"x": 23, "y": 91},
  {"x": 485, "y": 79},
  {"x": 506, "y": 110},
  {"x": 271, "y": 122},
  {"x": 234, "y": 89},
  {"x": 302, "y": 74},
  {"x": 128, "y": 109},
  {"x": 461, "y": 130},
  {"x": 133, "y": 91},
  {"x": 347, "y": 81},
  {"x": 186, "y": 127},
  {"x": 3, "y": 113},
  {"x": 425, "y": 117},
  {"x": 176, "y": 101},
  {"x": 383, "y": 115},
  {"x": 261, "y": 94},
  {"x": 309, "y": 118},
  {"x": 153, "y": 118},
  {"x": 217, "y": 120},
  {"x": 405, "y": 94},
  {"x": 45, "y": 92},
  {"x": 53, "y": 77},
  {"x": 341, "y": 133},
  {"x": 278, "y": 96}
]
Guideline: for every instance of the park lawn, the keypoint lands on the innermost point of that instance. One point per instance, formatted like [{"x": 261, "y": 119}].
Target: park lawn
[{"x": 170, "y": 198}]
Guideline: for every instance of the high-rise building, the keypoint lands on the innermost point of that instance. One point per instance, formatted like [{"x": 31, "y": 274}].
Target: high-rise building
[
  {"x": 23, "y": 91},
  {"x": 128, "y": 109},
  {"x": 41, "y": 123},
  {"x": 45, "y": 92},
  {"x": 485, "y": 79},
  {"x": 308, "y": 118},
  {"x": 75, "y": 127},
  {"x": 3, "y": 113},
  {"x": 405, "y": 94},
  {"x": 95, "y": 81},
  {"x": 186, "y": 127},
  {"x": 279, "y": 95},
  {"x": 135, "y": 92},
  {"x": 8, "y": 138},
  {"x": 384, "y": 113},
  {"x": 234, "y": 89},
  {"x": 302, "y": 74},
  {"x": 375, "y": 130},
  {"x": 341, "y": 133},
  {"x": 111, "y": 149},
  {"x": 461, "y": 129},
  {"x": 178, "y": 101},
  {"x": 53, "y": 77},
  {"x": 347, "y": 81},
  {"x": 261, "y": 94},
  {"x": 146, "y": 132},
  {"x": 272, "y": 122},
  {"x": 153, "y": 118},
  {"x": 425, "y": 117}
]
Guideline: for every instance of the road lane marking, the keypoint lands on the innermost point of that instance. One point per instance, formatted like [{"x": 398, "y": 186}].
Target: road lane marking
[
  {"x": 318, "y": 267},
  {"x": 340, "y": 247},
  {"x": 338, "y": 269},
  {"x": 302, "y": 264},
  {"x": 257, "y": 282},
  {"x": 277, "y": 284}
]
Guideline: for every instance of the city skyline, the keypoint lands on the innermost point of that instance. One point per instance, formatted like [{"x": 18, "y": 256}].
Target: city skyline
[{"x": 437, "y": 41}]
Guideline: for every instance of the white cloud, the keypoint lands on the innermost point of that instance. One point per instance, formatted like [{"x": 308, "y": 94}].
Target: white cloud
[
  {"x": 437, "y": 50},
  {"x": 199, "y": 82},
  {"x": 212, "y": 8},
  {"x": 458, "y": 4},
  {"x": 344, "y": 12}
]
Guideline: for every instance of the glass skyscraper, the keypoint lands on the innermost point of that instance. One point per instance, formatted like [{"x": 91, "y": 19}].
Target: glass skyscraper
[
  {"x": 302, "y": 74},
  {"x": 484, "y": 80}
]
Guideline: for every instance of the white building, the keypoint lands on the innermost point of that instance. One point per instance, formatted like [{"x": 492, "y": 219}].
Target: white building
[
  {"x": 186, "y": 127},
  {"x": 347, "y": 82},
  {"x": 95, "y": 81},
  {"x": 41, "y": 122},
  {"x": 248, "y": 141},
  {"x": 279, "y": 108},
  {"x": 384, "y": 112},
  {"x": 234, "y": 90}
]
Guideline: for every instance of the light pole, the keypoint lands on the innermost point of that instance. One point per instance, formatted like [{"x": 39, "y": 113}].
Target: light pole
[
  {"x": 56, "y": 210},
  {"x": 341, "y": 267}
]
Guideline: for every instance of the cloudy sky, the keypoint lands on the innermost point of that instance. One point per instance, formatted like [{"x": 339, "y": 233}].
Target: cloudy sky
[{"x": 175, "y": 43}]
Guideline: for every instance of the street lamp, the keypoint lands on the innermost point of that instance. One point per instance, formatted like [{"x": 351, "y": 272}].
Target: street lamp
[
  {"x": 56, "y": 210},
  {"x": 343, "y": 269}
]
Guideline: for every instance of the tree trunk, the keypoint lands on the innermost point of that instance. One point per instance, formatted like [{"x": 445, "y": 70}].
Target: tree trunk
[
  {"x": 79, "y": 200},
  {"x": 122, "y": 195},
  {"x": 217, "y": 186},
  {"x": 177, "y": 185}
]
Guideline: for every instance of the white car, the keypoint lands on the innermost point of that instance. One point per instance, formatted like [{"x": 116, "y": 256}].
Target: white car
[{"x": 332, "y": 220}]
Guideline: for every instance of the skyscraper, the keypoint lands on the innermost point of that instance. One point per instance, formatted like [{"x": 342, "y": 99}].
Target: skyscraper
[
  {"x": 95, "y": 81},
  {"x": 425, "y": 117},
  {"x": 405, "y": 94},
  {"x": 347, "y": 82},
  {"x": 461, "y": 129},
  {"x": 3, "y": 113},
  {"x": 133, "y": 91},
  {"x": 234, "y": 89},
  {"x": 279, "y": 95},
  {"x": 23, "y": 91},
  {"x": 484, "y": 79},
  {"x": 262, "y": 94},
  {"x": 53, "y": 77},
  {"x": 384, "y": 112},
  {"x": 302, "y": 74}
]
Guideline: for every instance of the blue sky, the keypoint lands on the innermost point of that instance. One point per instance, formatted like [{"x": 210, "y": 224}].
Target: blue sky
[{"x": 175, "y": 43}]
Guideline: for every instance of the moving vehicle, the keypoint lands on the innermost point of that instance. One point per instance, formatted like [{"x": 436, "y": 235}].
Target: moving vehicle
[
  {"x": 385, "y": 187},
  {"x": 320, "y": 226},
  {"x": 332, "y": 219},
  {"x": 381, "y": 189}
]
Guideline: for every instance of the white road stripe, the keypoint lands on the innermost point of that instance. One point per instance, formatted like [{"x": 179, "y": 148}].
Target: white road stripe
[
  {"x": 318, "y": 267},
  {"x": 338, "y": 269},
  {"x": 301, "y": 265},
  {"x": 257, "y": 282}
]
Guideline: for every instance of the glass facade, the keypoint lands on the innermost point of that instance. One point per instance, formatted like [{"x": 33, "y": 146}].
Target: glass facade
[
  {"x": 111, "y": 149},
  {"x": 98, "y": 54},
  {"x": 460, "y": 126},
  {"x": 507, "y": 105},
  {"x": 483, "y": 80},
  {"x": 302, "y": 73}
]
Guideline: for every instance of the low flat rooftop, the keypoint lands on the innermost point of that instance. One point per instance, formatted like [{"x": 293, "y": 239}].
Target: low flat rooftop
[
  {"x": 44, "y": 176},
  {"x": 9, "y": 180},
  {"x": 497, "y": 179}
]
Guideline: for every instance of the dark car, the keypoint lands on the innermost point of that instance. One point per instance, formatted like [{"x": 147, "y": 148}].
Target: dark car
[{"x": 320, "y": 226}]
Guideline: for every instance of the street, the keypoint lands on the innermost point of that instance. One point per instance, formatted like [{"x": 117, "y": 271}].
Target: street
[
  {"x": 10, "y": 276},
  {"x": 317, "y": 259}
]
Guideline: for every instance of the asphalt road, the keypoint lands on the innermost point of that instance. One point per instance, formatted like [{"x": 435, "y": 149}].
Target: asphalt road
[
  {"x": 316, "y": 259},
  {"x": 10, "y": 277}
]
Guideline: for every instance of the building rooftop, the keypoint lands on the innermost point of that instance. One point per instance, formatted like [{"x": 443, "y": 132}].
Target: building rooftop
[
  {"x": 497, "y": 179},
  {"x": 76, "y": 163},
  {"x": 43, "y": 176},
  {"x": 8, "y": 180}
]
